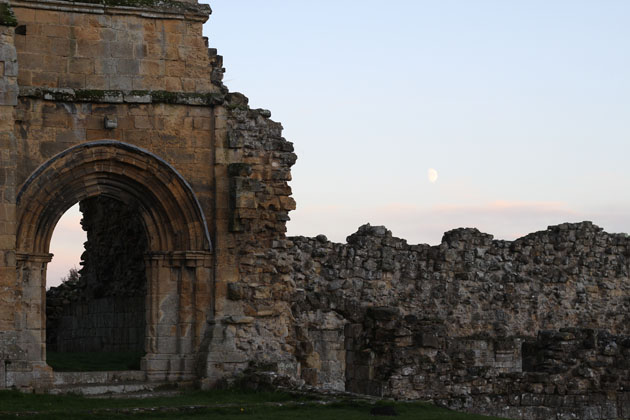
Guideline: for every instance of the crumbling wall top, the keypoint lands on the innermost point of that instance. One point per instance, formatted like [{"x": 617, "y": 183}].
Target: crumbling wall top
[{"x": 182, "y": 9}]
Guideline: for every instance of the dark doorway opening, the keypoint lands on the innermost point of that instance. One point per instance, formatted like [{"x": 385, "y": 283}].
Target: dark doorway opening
[{"x": 96, "y": 319}]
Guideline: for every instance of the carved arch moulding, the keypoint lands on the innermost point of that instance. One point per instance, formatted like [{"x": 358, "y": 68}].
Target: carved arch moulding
[{"x": 178, "y": 264}]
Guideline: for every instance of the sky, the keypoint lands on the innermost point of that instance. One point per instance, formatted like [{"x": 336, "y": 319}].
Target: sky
[{"x": 425, "y": 116}]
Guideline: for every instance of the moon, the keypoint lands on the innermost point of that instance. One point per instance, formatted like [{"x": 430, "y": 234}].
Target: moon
[{"x": 433, "y": 175}]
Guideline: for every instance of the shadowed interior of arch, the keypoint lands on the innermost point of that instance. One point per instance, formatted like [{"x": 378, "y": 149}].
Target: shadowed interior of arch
[{"x": 96, "y": 319}]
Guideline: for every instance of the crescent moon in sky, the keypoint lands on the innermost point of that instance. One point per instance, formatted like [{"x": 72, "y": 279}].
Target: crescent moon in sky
[{"x": 433, "y": 175}]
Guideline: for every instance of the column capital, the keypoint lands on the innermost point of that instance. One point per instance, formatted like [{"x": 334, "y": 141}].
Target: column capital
[
  {"x": 22, "y": 257},
  {"x": 181, "y": 258}
]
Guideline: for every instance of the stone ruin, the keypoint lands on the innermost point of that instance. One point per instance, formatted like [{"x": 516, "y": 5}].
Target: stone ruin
[
  {"x": 104, "y": 308},
  {"x": 120, "y": 105}
]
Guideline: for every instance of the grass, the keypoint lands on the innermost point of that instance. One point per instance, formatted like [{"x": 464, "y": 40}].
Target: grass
[
  {"x": 93, "y": 362},
  {"x": 218, "y": 405}
]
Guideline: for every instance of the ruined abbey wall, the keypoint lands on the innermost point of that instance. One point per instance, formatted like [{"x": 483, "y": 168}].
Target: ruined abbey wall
[
  {"x": 523, "y": 329},
  {"x": 135, "y": 84},
  {"x": 451, "y": 322},
  {"x": 125, "y": 100},
  {"x": 81, "y": 65}
]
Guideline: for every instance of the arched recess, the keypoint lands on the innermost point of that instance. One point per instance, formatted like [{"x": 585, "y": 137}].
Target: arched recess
[{"x": 178, "y": 265}]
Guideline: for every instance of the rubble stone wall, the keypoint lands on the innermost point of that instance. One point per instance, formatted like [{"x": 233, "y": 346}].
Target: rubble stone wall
[
  {"x": 450, "y": 322},
  {"x": 252, "y": 174},
  {"x": 113, "y": 261}
]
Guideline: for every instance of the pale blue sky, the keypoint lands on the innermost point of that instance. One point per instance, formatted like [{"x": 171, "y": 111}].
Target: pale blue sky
[{"x": 523, "y": 108}]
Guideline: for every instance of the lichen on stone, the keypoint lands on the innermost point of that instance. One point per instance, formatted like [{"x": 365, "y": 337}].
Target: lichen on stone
[
  {"x": 186, "y": 97},
  {"x": 117, "y": 96},
  {"x": 7, "y": 17},
  {"x": 156, "y": 4},
  {"x": 89, "y": 95}
]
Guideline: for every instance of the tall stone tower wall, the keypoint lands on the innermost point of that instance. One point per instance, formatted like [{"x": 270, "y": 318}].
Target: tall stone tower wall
[{"x": 125, "y": 100}]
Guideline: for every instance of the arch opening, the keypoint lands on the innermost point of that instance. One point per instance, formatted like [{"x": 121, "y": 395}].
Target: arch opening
[
  {"x": 96, "y": 319},
  {"x": 174, "y": 253}
]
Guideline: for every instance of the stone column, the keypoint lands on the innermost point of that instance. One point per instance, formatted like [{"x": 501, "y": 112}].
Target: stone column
[
  {"x": 31, "y": 370},
  {"x": 154, "y": 363},
  {"x": 173, "y": 333},
  {"x": 31, "y": 271}
]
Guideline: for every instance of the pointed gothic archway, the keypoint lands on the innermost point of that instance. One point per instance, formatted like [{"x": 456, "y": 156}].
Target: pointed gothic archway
[{"x": 178, "y": 264}]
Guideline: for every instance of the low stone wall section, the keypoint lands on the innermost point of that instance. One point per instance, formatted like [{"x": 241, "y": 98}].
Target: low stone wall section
[{"x": 464, "y": 323}]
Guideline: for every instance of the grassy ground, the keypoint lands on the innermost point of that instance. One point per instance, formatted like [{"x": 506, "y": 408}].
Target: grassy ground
[
  {"x": 93, "y": 362},
  {"x": 218, "y": 405}
]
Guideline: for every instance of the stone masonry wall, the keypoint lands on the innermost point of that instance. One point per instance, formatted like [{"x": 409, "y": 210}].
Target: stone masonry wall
[
  {"x": 252, "y": 174},
  {"x": 87, "y": 48},
  {"x": 571, "y": 274},
  {"x": 145, "y": 68},
  {"x": 9, "y": 339},
  {"x": 141, "y": 73},
  {"x": 449, "y": 322},
  {"x": 8, "y": 100}
]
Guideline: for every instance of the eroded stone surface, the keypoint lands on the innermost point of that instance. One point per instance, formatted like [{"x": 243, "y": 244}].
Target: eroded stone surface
[{"x": 452, "y": 322}]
